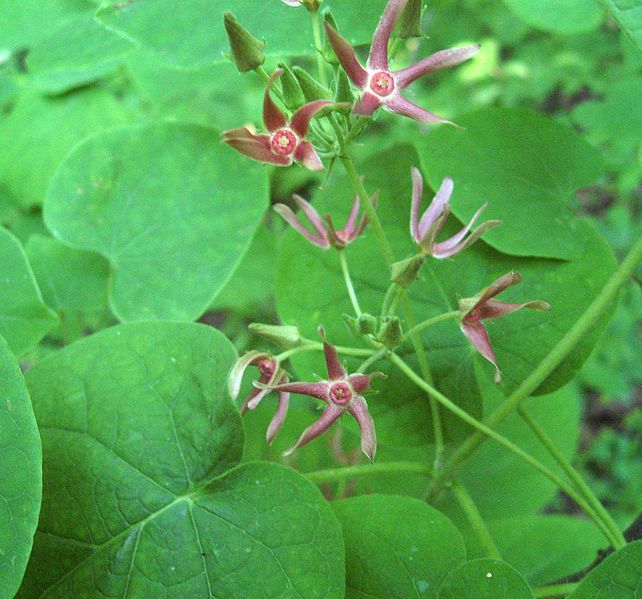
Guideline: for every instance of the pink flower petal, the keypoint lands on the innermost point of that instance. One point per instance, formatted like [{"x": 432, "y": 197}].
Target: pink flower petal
[
  {"x": 366, "y": 104},
  {"x": 251, "y": 395},
  {"x": 301, "y": 118},
  {"x": 404, "y": 107},
  {"x": 336, "y": 370},
  {"x": 318, "y": 390},
  {"x": 330, "y": 415},
  {"x": 346, "y": 56},
  {"x": 378, "y": 59},
  {"x": 265, "y": 387},
  {"x": 455, "y": 239},
  {"x": 279, "y": 417},
  {"x": 307, "y": 156},
  {"x": 477, "y": 335},
  {"x": 272, "y": 116},
  {"x": 438, "y": 206},
  {"x": 240, "y": 133},
  {"x": 493, "y": 308},
  {"x": 235, "y": 378},
  {"x": 358, "y": 408},
  {"x": 259, "y": 150},
  {"x": 441, "y": 251},
  {"x": 435, "y": 62},
  {"x": 311, "y": 214},
  {"x": 360, "y": 382},
  {"x": 288, "y": 215},
  {"x": 417, "y": 192},
  {"x": 349, "y": 228}
]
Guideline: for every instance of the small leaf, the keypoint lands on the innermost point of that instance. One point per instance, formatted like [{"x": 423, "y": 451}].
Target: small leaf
[
  {"x": 396, "y": 546},
  {"x": 21, "y": 467},
  {"x": 24, "y": 317},
  {"x": 619, "y": 576},
  {"x": 159, "y": 203},
  {"x": 485, "y": 579}
]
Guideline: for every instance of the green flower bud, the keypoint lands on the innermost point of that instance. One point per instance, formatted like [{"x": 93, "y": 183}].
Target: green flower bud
[
  {"x": 312, "y": 89},
  {"x": 405, "y": 272},
  {"x": 367, "y": 324},
  {"x": 283, "y": 335},
  {"x": 293, "y": 97},
  {"x": 246, "y": 50},
  {"x": 343, "y": 91},
  {"x": 410, "y": 21},
  {"x": 391, "y": 333}
]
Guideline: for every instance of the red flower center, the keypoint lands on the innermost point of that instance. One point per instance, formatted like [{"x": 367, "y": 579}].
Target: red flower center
[
  {"x": 340, "y": 393},
  {"x": 473, "y": 316},
  {"x": 382, "y": 83},
  {"x": 284, "y": 142},
  {"x": 266, "y": 368}
]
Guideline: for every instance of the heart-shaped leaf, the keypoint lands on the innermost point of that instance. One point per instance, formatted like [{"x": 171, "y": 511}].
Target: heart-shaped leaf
[
  {"x": 485, "y": 579},
  {"x": 21, "y": 467},
  {"x": 170, "y": 207},
  {"x": 141, "y": 492}
]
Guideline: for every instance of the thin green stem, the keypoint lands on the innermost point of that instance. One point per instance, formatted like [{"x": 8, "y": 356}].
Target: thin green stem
[
  {"x": 318, "y": 45},
  {"x": 431, "y": 321},
  {"x": 348, "y": 281},
  {"x": 581, "y": 327},
  {"x": 385, "y": 306},
  {"x": 475, "y": 520},
  {"x": 372, "y": 359},
  {"x": 555, "y": 590},
  {"x": 484, "y": 429},
  {"x": 572, "y": 474},
  {"x": 336, "y": 474},
  {"x": 357, "y": 352}
]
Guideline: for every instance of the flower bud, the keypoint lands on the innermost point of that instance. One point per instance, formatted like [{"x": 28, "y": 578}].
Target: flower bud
[
  {"x": 343, "y": 91},
  {"x": 246, "y": 50},
  {"x": 405, "y": 272},
  {"x": 410, "y": 20},
  {"x": 312, "y": 89},
  {"x": 366, "y": 324},
  {"x": 293, "y": 97},
  {"x": 283, "y": 335},
  {"x": 391, "y": 333},
  {"x": 328, "y": 52}
]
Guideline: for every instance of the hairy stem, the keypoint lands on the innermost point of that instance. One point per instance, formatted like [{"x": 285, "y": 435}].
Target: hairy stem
[
  {"x": 348, "y": 281},
  {"x": 337, "y": 474},
  {"x": 431, "y": 321},
  {"x": 475, "y": 520}
]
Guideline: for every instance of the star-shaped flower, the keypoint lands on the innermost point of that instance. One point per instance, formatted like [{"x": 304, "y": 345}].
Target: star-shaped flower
[
  {"x": 270, "y": 372},
  {"x": 284, "y": 142},
  {"x": 342, "y": 393},
  {"x": 380, "y": 85},
  {"x": 425, "y": 231},
  {"x": 326, "y": 235},
  {"x": 483, "y": 307}
]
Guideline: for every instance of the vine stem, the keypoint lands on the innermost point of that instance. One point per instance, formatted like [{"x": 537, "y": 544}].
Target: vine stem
[
  {"x": 582, "y": 326},
  {"x": 431, "y": 321},
  {"x": 572, "y": 474},
  {"x": 315, "y": 346},
  {"x": 348, "y": 281},
  {"x": 475, "y": 519},
  {"x": 336, "y": 474},
  {"x": 484, "y": 429},
  {"x": 318, "y": 46},
  {"x": 555, "y": 590}
]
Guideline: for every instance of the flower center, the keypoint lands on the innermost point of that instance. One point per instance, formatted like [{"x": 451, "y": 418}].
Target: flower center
[
  {"x": 473, "y": 316},
  {"x": 266, "y": 368},
  {"x": 382, "y": 83},
  {"x": 340, "y": 393},
  {"x": 284, "y": 142}
]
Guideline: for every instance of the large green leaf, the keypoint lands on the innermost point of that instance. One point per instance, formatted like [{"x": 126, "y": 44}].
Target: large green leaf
[
  {"x": 24, "y": 317},
  {"x": 141, "y": 492},
  {"x": 526, "y": 166},
  {"x": 396, "y": 546},
  {"x": 191, "y": 33},
  {"x": 38, "y": 133},
  {"x": 310, "y": 291},
  {"x": 558, "y": 16},
  {"x": 485, "y": 579},
  {"x": 619, "y": 576},
  {"x": 21, "y": 480},
  {"x": 168, "y": 205},
  {"x": 628, "y": 14}
]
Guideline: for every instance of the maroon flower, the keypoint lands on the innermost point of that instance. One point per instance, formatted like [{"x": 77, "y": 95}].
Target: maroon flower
[
  {"x": 269, "y": 373},
  {"x": 342, "y": 393},
  {"x": 483, "y": 307},
  {"x": 382, "y": 87},
  {"x": 326, "y": 235},
  {"x": 425, "y": 231},
  {"x": 284, "y": 141}
]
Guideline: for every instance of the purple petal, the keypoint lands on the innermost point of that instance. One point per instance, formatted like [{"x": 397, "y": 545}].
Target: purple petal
[
  {"x": 349, "y": 229},
  {"x": 360, "y": 382},
  {"x": 438, "y": 206},
  {"x": 477, "y": 335},
  {"x": 417, "y": 192},
  {"x": 307, "y": 156},
  {"x": 245, "y": 406},
  {"x": 235, "y": 378},
  {"x": 446, "y": 251},
  {"x": 279, "y": 417},
  {"x": 493, "y": 308},
  {"x": 258, "y": 149},
  {"x": 404, "y": 107},
  {"x": 378, "y": 58},
  {"x": 318, "y": 390},
  {"x": 330, "y": 415},
  {"x": 336, "y": 371},
  {"x": 455, "y": 239},
  {"x": 346, "y": 56},
  {"x": 293, "y": 221},
  {"x": 435, "y": 62},
  {"x": 272, "y": 116},
  {"x": 301, "y": 118},
  {"x": 310, "y": 212},
  {"x": 240, "y": 133},
  {"x": 367, "y": 104},
  {"x": 264, "y": 387},
  {"x": 359, "y": 409},
  {"x": 499, "y": 285}
]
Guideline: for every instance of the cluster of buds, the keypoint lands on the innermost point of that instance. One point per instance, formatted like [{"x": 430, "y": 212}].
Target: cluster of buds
[{"x": 341, "y": 392}]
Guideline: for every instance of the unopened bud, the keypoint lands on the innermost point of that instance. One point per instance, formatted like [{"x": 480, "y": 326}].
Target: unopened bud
[
  {"x": 312, "y": 89},
  {"x": 283, "y": 335},
  {"x": 391, "y": 333},
  {"x": 405, "y": 272},
  {"x": 367, "y": 324},
  {"x": 410, "y": 20},
  {"x": 246, "y": 50},
  {"x": 343, "y": 91},
  {"x": 328, "y": 52},
  {"x": 293, "y": 97}
]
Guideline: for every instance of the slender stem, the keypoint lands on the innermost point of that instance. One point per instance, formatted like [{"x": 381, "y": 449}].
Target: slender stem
[
  {"x": 431, "y": 321},
  {"x": 372, "y": 359},
  {"x": 316, "y": 346},
  {"x": 568, "y": 489},
  {"x": 336, "y": 474},
  {"x": 373, "y": 217},
  {"x": 385, "y": 306},
  {"x": 318, "y": 46},
  {"x": 475, "y": 520},
  {"x": 573, "y": 475},
  {"x": 582, "y": 326},
  {"x": 555, "y": 590},
  {"x": 348, "y": 281}
]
